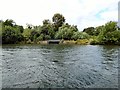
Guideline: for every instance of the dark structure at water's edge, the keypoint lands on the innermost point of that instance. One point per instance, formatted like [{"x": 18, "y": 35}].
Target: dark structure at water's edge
[{"x": 53, "y": 41}]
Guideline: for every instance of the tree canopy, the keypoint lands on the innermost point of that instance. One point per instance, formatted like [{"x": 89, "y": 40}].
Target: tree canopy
[
  {"x": 58, "y": 20},
  {"x": 12, "y": 33}
]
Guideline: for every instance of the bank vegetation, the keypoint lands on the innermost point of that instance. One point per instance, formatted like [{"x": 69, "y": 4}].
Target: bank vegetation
[{"x": 11, "y": 33}]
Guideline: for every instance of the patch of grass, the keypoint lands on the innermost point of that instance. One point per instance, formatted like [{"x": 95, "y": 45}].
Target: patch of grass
[
  {"x": 69, "y": 42},
  {"x": 80, "y": 42},
  {"x": 83, "y": 41}
]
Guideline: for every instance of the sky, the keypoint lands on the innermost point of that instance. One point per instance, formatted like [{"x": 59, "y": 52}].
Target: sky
[{"x": 83, "y": 13}]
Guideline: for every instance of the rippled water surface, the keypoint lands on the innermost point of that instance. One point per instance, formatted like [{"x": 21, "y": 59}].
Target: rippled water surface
[{"x": 59, "y": 66}]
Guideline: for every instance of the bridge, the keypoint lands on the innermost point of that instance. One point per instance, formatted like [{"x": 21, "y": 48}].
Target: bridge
[{"x": 53, "y": 41}]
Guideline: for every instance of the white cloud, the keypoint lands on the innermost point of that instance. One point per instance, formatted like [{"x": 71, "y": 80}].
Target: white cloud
[
  {"x": 79, "y": 12},
  {"x": 110, "y": 15}
]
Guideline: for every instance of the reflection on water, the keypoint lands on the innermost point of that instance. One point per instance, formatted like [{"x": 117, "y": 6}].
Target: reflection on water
[{"x": 70, "y": 66}]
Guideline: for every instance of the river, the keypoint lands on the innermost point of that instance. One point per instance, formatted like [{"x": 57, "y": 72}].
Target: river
[{"x": 60, "y": 66}]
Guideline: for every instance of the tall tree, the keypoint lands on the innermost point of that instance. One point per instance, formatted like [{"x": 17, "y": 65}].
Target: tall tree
[
  {"x": 9, "y": 22},
  {"x": 110, "y": 26},
  {"x": 46, "y": 21},
  {"x": 58, "y": 20}
]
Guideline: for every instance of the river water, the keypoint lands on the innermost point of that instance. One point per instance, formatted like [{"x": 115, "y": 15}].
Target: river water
[{"x": 60, "y": 66}]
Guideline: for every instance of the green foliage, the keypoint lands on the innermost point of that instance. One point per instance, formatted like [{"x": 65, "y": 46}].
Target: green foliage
[
  {"x": 27, "y": 33},
  {"x": 40, "y": 38},
  {"x": 98, "y": 30},
  {"x": 94, "y": 42},
  {"x": 29, "y": 26},
  {"x": 47, "y": 37},
  {"x": 10, "y": 35},
  {"x": 110, "y": 26},
  {"x": 20, "y": 28},
  {"x": 9, "y": 22},
  {"x": 1, "y": 26},
  {"x": 109, "y": 34},
  {"x": 47, "y": 30},
  {"x": 76, "y": 35},
  {"x": 46, "y": 21},
  {"x": 89, "y": 30},
  {"x": 93, "y": 31},
  {"x": 85, "y": 36},
  {"x": 34, "y": 34},
  {"x": 58, "y": 20},
  {"x": 66, "y": 32},
  {"x": 80, "y": 35},
  {"x": 112, "y": 37}
]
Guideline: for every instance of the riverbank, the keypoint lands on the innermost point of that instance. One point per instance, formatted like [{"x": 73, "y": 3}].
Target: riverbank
[
  {"x": 79, "y": 42},
  {"x": 73, "y": 42}
]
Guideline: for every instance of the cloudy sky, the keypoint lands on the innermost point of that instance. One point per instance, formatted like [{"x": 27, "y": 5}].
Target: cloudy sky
[{"x": 83, "y": 13}]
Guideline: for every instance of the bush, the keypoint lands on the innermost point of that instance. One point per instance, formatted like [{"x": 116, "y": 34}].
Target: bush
[
  {"x": 66, "y": 32},
  {"x": 40, "y": 38},
  {"x": 94, "y": 42}
]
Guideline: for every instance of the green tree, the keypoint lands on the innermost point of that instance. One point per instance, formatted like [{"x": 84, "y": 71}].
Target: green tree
[
  {"x": 110, "y": 26},
  {"x": 1, "y": 27},
  {"x": 66, "y": 32},
  {"x": 40, "y": 38},
  {"x": 98, "y": 30},
  {"x": 27, "y": 33},
  {"x": 21, "y": 29},
  {"x": 10, "y": 35},
  {"x": 46, "y": 21},
  {"x": 76, "y": 35},
  {"x": 29, "y": 26},
  {"x": 58, "y": 20},
  {"x": 89, "y": 30},
  {"x": 9, "y": 22},
  {"x": 34, "y": 35},
  {"x": 47, "y": 30},
  {"x": 109, "y": 33}
]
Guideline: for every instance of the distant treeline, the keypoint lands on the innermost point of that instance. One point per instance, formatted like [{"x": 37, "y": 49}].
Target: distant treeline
[{"x": 12, "y": 33}]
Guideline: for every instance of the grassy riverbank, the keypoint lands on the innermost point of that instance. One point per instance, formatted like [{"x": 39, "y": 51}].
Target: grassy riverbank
[
  {"x": 90, "y": 41},
  {"x": 79, "y": 42},
  {"x": 71, "y": 42}
]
